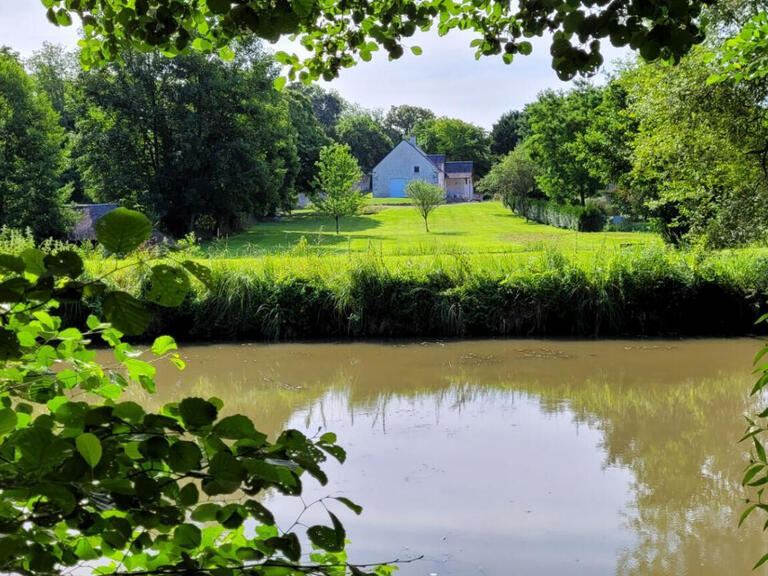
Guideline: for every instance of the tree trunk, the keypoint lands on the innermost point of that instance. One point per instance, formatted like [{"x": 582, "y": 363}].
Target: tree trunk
[
  {"x": 337, "y": 224},
  {"x": 582, "y": 198},
  {"x": 426, "y": 224}
]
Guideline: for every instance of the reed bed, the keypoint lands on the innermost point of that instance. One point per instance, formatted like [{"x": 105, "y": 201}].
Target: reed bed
[{"x": 628, "y": 292}]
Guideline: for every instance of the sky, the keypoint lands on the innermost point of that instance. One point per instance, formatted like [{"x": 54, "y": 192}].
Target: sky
[{"x": 446, "y": 78}]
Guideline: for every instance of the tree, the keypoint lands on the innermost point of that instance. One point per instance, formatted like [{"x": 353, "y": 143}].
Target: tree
[
  {"x": 401, "y": 120},
  {"x": 90, "y": 480},
  {"x": 310, "y": 136},
  {"x": 513, "y": 179},
  {"x": 336, "y": 34},
  {"x": 557, "y": 120},
  {"x": 365, "y": 137},
  {"x": 426, "y": 197},
  {"x": 457, "y": 139},
  {"x": 698, "y": 154},
  {"x": 198, "y": 143},
  {"x": 31, "y": 155},
  {"x": 507, "y": 132},
  {"x": 605, "y": 146},
  {"x": 327, "y": 104},
  {"x": 55, "y": 72},
  {"x": 335, "y": 184}
]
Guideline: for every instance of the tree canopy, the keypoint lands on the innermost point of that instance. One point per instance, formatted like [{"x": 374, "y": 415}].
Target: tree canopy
[
  {"x": 557, "y": 120},
  {"x": 195, "y": 142},
  {"x": 507, "y": 132},
  {"x": 365, "y": 137},
  {"x": 338, "y": 34},
  {"x": 457, "y": 139},
  {"x": 401, "y": 120},
  {"x": 31, "y": 154}
]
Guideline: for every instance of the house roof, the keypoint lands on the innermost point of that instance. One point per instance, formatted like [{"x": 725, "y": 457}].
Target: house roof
[
  {"x": 458, "y": 167},
  {"x": 88, "y": 214},
  {"x": 436, "y": 159}
]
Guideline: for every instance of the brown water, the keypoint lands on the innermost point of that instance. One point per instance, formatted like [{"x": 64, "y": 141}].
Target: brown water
[{"x": 513, "y": 457}]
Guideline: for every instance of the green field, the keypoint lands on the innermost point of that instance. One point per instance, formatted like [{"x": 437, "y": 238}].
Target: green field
[{"x": 477, "y": 228}]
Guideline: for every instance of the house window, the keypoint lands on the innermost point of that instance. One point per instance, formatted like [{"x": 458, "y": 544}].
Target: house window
[{"x": 415, "y": 169}]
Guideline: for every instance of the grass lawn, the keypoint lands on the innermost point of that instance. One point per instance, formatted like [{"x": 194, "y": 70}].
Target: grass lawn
[{"x": 475, "y": 228}]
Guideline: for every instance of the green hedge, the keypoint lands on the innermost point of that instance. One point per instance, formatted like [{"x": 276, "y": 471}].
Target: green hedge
[
  {"x": 580, "y": 218},
  {"x": 638, "y": 294}
]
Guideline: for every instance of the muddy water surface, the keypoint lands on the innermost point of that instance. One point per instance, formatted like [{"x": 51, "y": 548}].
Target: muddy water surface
[{"x": 513, "y": 457}]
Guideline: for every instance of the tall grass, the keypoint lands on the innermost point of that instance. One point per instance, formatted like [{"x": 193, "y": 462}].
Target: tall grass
[{"x": 627, "y": 292}]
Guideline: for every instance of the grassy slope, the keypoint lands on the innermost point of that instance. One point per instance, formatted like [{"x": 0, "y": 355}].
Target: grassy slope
[{"x": 478, "y": 228}]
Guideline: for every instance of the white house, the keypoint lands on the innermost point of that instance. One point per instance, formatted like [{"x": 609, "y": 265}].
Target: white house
[{"x": 408, "y": 162}]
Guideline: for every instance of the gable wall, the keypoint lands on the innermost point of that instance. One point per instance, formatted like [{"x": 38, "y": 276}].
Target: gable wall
[{"x": 399, "y": 163}]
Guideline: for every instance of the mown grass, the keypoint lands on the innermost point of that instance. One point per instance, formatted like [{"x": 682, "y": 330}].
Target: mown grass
[
  {"x": 477, "y": 228},
  {"x": 634, "y": 291}
]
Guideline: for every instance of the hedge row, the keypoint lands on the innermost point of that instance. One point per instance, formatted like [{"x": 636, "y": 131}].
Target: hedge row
[
  {"x": 635, "y": 295},
  {"x": 580, "y": 218}
]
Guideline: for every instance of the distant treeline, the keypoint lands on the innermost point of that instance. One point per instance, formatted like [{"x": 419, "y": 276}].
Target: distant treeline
[{"x": 197, "y": 143}]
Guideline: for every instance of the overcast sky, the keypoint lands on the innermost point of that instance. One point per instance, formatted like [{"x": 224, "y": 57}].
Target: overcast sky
[{"x": 446, "y": 78}]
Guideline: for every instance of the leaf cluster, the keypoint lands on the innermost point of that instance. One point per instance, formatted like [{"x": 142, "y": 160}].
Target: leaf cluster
[
  {"x": 336, "y": 34},
  {"x": 87, "y": 479}
]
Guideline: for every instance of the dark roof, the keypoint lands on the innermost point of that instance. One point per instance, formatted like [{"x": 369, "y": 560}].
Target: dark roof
[
  {"x": 454, "y": 167},
  {"x": 85, "y": 227},
  {"x": 436, "y": 159}
]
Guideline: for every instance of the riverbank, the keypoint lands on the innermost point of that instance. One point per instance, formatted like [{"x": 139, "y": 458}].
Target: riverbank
[{"x": 630, "y": 292}]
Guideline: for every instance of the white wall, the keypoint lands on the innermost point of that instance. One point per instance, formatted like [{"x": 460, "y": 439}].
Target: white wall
[{"x": 458, "y": 189}]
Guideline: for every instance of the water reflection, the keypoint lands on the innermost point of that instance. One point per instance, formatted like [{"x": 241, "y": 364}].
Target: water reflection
[{"x": 518, "y": 457}]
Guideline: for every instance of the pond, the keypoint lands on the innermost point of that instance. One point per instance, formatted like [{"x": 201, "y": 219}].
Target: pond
[{"x": 512, "y": 457}]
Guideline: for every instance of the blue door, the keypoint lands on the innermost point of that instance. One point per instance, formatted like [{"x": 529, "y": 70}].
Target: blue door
[{"x": 397, "y": 188}]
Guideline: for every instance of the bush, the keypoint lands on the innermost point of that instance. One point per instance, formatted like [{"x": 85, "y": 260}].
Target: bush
[{"x": 582, "y": 218}]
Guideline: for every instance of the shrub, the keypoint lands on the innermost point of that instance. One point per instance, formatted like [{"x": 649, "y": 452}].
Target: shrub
[
  {"x": 425, "y": 196},
  {"x": 582, "y": 218}
]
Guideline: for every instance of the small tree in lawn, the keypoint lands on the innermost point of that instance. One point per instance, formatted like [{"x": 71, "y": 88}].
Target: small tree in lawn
[
  {"x": 335, "y": 192},
  {"x": 426, "y": 197}
]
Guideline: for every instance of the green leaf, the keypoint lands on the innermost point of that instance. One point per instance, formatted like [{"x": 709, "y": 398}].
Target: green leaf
[
  {"x": 89, "y": 447},
  {"x": 760, "y": 562},
  {"x": 356, "y": 508},
  {"x": 184, "y": 456},
  {"x": 64, "y": 263},
  {"x": 202, "y": 273},
  {"x": 11, "y": 264},
  {"x": 8, "y": 421},
  {"x": 10, "y": 349},
  {"x": 187, "y": 536},
  {"x": 417, "y": 51},
  {"x": 328, "y": 539},
  {"x": 196, "y": 412},
  {"x": 302, "y": 8},
  {"x": 121, "y": 231},
  {"x": 235, "y": 427},
  {"x": 163, "y": 344},
  {"x": 279, "y": 82},
  {"x": 12, "y": 289},
  {"x": 746, "y": 513},
  {"x": 126, "y": 313},
  {"x": 219, "y": 6},
  {"x": 759, "y": 450},
  {"x": 206, "y": 512},
  {"x": 34, "y": 261},
  {"x": 168, "y": 286},
  {"x": 189, "y": 496}
]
